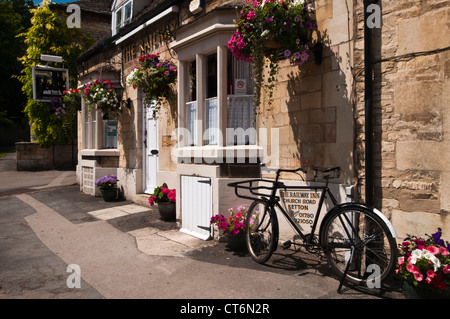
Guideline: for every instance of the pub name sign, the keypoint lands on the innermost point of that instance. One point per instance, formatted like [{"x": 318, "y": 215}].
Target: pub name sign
[{"x": 150, "y": 42}]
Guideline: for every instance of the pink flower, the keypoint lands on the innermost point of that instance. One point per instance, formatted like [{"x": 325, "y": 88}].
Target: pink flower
[
  {"x": 433, "y": 249},
  {"x": 166, "y": 72},
  {"x": 412, "y": 268},
  {"x": 251, "y": 15},
  {"x": 446, "y": 269},
  {"x": 172, "y": 195},
  {"x": 443, "y": 251},
  {"x": 151, "y": 200},
  {"x": 401, "y": 260},
  {"x": 430, "y": 273},
  {"x": 418, "y": 276}
]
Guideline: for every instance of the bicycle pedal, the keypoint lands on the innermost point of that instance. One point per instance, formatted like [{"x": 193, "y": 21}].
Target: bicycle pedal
[{"x": 286, "y": 244}]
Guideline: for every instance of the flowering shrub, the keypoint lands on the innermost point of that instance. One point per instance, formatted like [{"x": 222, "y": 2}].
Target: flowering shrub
[
  {"x": 155, "y": 76},
  {"x": 235, "y": 222},
  {"x": 107, "y": 182},
  {"x": 425, "y": 263},
  {"x": 102, "y": 94},
  {"x": 269, "y": 30},
  {"x": 162, "y": 194}
]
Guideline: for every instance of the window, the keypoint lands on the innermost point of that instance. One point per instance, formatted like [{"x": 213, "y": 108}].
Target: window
[
  {"x": 98, "y": 133},
  {"x": 191, "y": 102},
  {"x": 211, "y": 120},
  {"x": 122, "y": 16},
  {"x": 240, "y": 111}
]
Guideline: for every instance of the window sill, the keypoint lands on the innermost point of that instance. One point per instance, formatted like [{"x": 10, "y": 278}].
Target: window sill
[
  {"x": 218, "y": 154},
  {"x": 100, "y": 152}
]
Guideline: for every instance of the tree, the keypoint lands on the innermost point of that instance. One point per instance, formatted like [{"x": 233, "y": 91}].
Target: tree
[
  {"x": 49, "y": 34},
  {"x": 14, "y": 18}
]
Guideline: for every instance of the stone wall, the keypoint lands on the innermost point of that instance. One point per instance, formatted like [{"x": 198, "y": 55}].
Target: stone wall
[
  {"x": 313, "y": 103},
  {"x": 411, "y": 113},
  {"x": 30, "y": 156}
]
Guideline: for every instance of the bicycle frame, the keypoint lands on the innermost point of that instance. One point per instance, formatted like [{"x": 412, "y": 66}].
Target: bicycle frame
[{"x": 274, "y": 201}]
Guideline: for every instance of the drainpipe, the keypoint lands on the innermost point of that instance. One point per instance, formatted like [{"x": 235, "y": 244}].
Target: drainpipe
[{"x": 368, "y": 106}]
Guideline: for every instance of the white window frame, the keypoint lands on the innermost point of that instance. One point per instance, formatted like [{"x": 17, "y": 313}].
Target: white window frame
[
  {"x": 94, "y": 130},
  {"x": 239, "y": 113},
  {"x": 123, "y": 21}
]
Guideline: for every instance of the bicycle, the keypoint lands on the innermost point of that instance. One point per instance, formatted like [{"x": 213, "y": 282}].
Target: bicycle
[{"x": 354, "y": 237}]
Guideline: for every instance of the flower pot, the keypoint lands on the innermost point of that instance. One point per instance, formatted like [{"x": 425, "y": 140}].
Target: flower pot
[
  {"x": 412, "y": 292},
  {"x": 167, "y": 210},
  {"x": 109, "y": 194},
  {"x": 237, "y": 242}
]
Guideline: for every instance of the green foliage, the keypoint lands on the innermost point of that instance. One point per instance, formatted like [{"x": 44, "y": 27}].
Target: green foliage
[{"x": 49, "y": 34}]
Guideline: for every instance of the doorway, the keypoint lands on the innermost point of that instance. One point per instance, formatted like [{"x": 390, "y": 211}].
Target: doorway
[{"x": 151, "y": 150}]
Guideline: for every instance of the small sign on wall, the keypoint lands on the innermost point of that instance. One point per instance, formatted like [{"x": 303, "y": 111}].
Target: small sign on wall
[
  {"x": 240, "y": 86},
  {"x": 195, "y": 6}
]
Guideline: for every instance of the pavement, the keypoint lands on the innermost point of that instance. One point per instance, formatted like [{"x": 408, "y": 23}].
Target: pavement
[{"x": 48, "y": 229}]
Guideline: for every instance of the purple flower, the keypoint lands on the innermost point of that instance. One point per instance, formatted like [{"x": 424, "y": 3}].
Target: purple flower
[
  {"x": 269, "y": 20},
  {"x": 287, "y": 53}
]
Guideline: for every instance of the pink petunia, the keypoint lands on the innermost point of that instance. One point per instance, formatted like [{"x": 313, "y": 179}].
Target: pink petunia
[
  {"x": 443, "y": 251},
  {"x": 433, "y": 249},
  {"x": 412, "y": 268},
  {"x": 418, "y": 276},
  {"x": 446, "y": 269}
]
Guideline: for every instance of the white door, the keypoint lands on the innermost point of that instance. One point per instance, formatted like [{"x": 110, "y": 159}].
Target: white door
[
  {"x": 196, "y": 206},
  {"x": 150, "y": 140}
]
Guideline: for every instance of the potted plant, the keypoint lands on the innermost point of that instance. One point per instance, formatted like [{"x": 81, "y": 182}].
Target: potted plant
[
  {"x": 272, "y": 30},
  {"x": 233, "y": 227},
  {"x": 166, "y": 199},
  {"x": 424, "y": 266},
  {"x": 155, "y": 75},
  {"x": 101, "y": 94},
  {"x": 108, "y": 187}
]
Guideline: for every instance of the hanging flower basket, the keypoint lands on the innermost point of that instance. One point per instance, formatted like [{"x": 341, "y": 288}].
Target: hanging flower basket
[
  {"x": 272, "y": 30},
  {"x": 155, "y": 76},
  {"x": 101, "y": 95}
]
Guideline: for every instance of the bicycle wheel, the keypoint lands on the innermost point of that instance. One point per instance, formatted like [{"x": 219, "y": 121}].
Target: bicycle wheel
[
  {"x": 374, "y": 248},
  {"x": 262, "y": 231}
]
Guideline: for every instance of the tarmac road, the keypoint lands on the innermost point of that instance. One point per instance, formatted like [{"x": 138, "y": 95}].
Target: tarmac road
[{"x": 124, "y": 251}]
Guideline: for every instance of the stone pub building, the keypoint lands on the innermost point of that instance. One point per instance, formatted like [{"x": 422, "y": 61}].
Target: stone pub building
[{"x": 318, "y": 116}]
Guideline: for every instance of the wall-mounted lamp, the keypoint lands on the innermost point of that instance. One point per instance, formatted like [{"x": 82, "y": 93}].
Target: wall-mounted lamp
[{"x": 123, "y": 103}]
